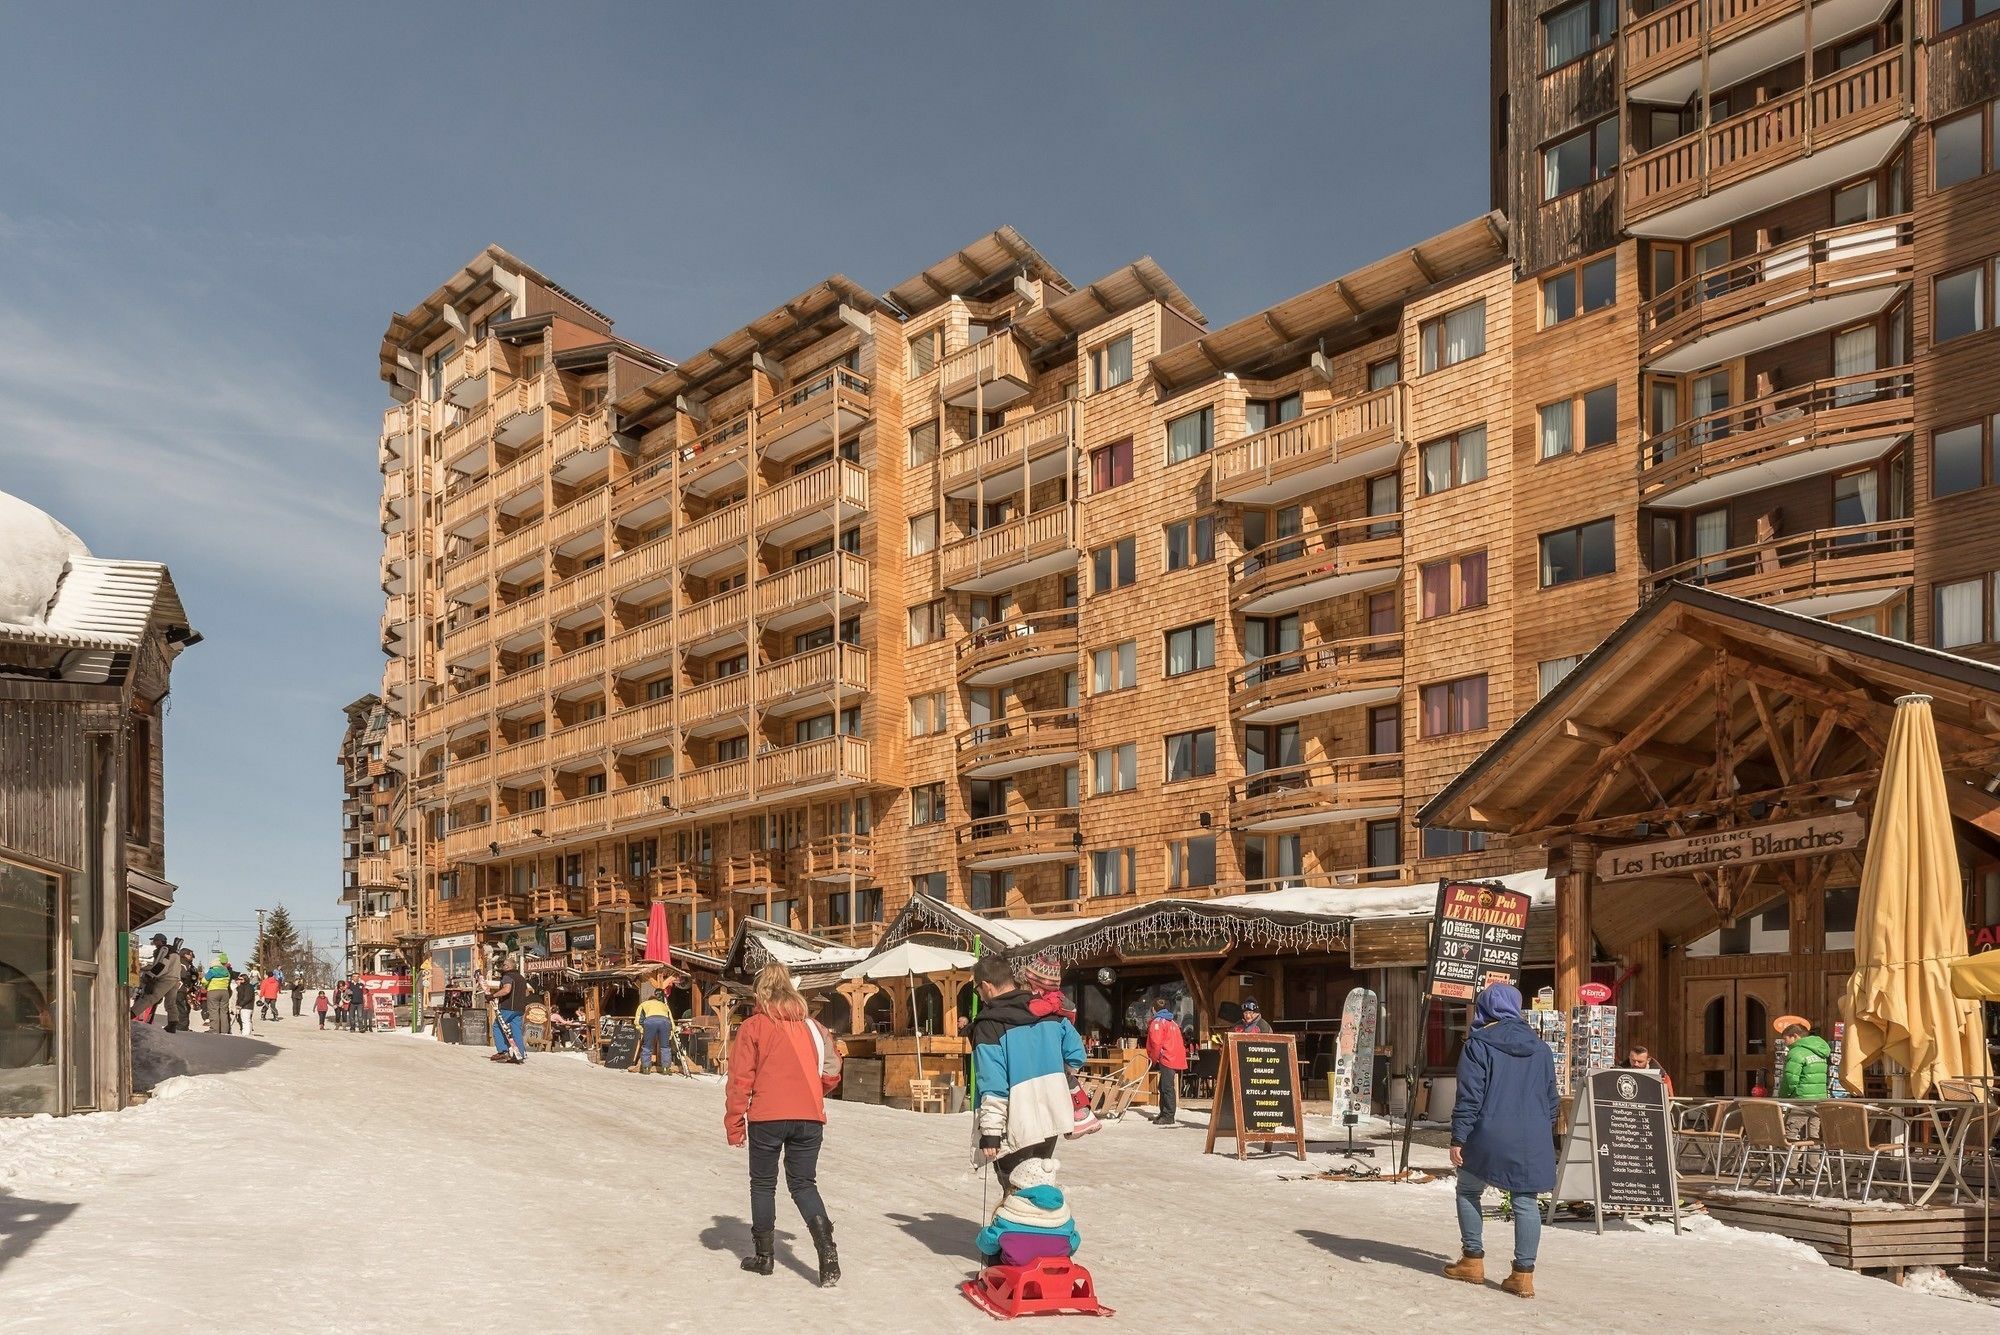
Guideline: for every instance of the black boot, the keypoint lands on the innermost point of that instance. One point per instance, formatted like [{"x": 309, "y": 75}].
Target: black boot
[
  {"x": 762, "y": 1263},
  {"x": 821, "y": 1229}
]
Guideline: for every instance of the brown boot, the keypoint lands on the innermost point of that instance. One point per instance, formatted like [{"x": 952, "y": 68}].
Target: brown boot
[
  {"x": 1521, "y": 1283},
  {"x": 1471, "y": 1269}
]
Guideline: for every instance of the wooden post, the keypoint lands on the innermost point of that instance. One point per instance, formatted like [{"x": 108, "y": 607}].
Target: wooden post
[{"x": 1573, "y": 923}]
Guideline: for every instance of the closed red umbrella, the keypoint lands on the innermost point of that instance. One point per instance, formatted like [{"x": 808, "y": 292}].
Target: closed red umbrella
[{"x": 657, "y": 946}]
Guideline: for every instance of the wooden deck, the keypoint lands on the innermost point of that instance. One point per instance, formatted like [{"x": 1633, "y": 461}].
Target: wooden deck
[{"x": 1857, "y": 1237}]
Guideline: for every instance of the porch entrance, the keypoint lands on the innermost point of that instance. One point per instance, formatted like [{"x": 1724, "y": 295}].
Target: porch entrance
[{"x": 1728, "y": 1043}]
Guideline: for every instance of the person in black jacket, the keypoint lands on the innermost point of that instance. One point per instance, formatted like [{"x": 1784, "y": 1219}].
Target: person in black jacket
[{"x": 1503, "y": 1133}]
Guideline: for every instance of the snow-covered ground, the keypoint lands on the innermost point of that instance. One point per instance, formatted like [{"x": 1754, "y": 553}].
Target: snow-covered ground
[{"x": 308, "y": 1181}]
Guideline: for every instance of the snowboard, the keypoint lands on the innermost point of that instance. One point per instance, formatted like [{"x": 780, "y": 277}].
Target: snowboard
[{"x": 1354, "y": 1058}]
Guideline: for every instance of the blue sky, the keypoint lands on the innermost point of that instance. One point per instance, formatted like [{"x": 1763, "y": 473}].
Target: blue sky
[{"x": 207, "y": 214}]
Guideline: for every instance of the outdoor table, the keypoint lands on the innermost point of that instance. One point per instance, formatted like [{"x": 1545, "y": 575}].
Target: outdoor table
[{"x": 1941, "y": 1122}]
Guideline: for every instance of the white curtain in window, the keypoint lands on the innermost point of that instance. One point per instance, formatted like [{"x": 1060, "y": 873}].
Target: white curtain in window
[
  {"x": 1958, "y": 613},
  {"x": 1437, "y": 466},
  {"x": 1558, "y": 420},
  {"x": 1568, "y": 33},
  {"x": 1711, "y": 535},
  {"x": 1553, "y": 670},
  {"x": 1465, "y": 333},
  {"x": 1472, "y": 454},
  {"x": 1854, "y": 354}
]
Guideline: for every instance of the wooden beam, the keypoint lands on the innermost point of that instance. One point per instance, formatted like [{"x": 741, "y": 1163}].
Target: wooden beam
[
  {"x": 1975, "y": 806},
  {"x": 1621, "y": 826},
  {"x": 1774, "y": 736},
  {"x": 1690, "y": 691},
  {"x": 1278, "y": 329},
  {"x": 1659, "y": 750},
  {"x": 1340, "y": 290},
  {"x": 1423, "y": 265}
]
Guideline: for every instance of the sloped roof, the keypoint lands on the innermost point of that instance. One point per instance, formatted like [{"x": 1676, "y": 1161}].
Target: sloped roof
[
  {"x": 103, "y": 609},
  {"x": 1123, "y": 289},
  {"x": 971, "y": 269}
]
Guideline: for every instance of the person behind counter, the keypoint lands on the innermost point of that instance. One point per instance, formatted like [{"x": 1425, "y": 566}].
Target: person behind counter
[
  {"x": 1253, "y": 1021},
  {"x": 1641, "y": 1059}
]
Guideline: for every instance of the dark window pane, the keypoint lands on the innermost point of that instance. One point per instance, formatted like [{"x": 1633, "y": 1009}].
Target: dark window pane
[
  {"x": 1599, "y": 550},
  {"x": 1600, "y": 416},
  {"x": 1955, "y": 461},
  {"x": 1600, "y": 283}
]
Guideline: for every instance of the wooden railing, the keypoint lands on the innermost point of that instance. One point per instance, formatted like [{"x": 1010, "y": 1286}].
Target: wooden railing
[
  {"x": 999, "y": 356},
  {"x": 835, "y": 388},
  {"x": 647, "y": 640},
  {"x": 584, "y": 513},
  {"x": 501, "y": 908},
  {"x": 462, "y": 631},
  {"x": 466, "y": 772},
  {"x": 813, "y": 670},
  {"x": 588, "y": 812},
  {"x": 647, "y": 561},
  {"x": 714, "y": 699},
  {"x": 642, "y": 801},
  {"x": 718, "y": 445},
  {"x": 578, "y": 435},
  {"x": 557, "y": 900},
  {"x": 518, "y": 615},
  {"x": 642, "y": 721},
  {"x": 1826, "y": 560},
  {"x": 474, "y": 359},
  {"x": 1046, "y": 733},
  {"x": 1348, "y": 546},
  {"x": 1790, "y": 421},
  {"x": 1007, "y": 545},
  {"x": 371, "y": 872},
  {"x": 835, "y": 856},
  {"x": 712, "y": 533},
  {"x": 610, "y": 893},
  {"x": 710, "y": 616},
  {"x": 464, "y": 434},
  {"x": 1300, "y": 791},
  {"x": 1844, "y": 104},
  {"x": 521, "y": 757},
  {"x": 519, "y": 685},
  {"x": 587, "y": 738},
  {"x": 1031, "y": 635},
  {"x": 511, "y": 548},
  {"x": 526, "y": 395},
  {"x": 712, "y": 785},
  {"x": 815, "y": 489},
  {"x": 821, "y": 760},
  {"x": 1672, "y": 34},
  {"x": 1014, "y": 444},
  {"x": 681, "y": 882},
  {"x": 462, "y": 707},
  {"x": 1019, "y": 834},
  {"x": 513, "y": 476},
  {"x": 1308, "y": 442},
  {"x": 813, "y": 581},
  {"x": 757, "y": 872},
  {"x": 579, "y": 590},
  {"x": 1355, "y": 664},
  {"x": 1827, "y": 263}
]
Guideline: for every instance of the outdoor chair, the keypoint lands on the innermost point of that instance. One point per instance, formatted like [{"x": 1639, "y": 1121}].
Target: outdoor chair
[
  {"x": 925, "y": 1096},
  {"x": 1977, "y": 1141},
  {"x": 1846, "y": 1135},
  {"x": 1707, "y": 1127},
  {"x": 1764, "y": 1133}
]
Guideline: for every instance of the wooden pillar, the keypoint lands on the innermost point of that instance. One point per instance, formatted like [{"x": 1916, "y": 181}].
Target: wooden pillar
[
  {"x": 1648, "y": 996},
  {"x": 950, "y": 984},
  {"x": 858, "y": 992},
  {"x": 1573, "y": 922}
]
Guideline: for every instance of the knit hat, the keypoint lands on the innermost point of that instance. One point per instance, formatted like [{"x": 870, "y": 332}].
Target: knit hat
[
  {"x": 1250, "y": 1005},
  {"x": 1033, "y": 1172},
  {"x": 1498, "y": 1002},
  {"x": 1042, "y": 974}
]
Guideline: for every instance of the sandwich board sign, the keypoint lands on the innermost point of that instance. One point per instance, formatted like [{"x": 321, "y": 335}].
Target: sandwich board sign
[
  {"x": 1619, "y": 1153},
  {"x": 1257, "y": 1094}
]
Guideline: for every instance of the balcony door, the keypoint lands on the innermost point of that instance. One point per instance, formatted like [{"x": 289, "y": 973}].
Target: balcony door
[
  {"x": 1711, "y": 538},
  {"x": 1856, "y": 501},
  {"x": 1710, "y": 394},
  {"x": 1270, "y": 748},
  {"x": 1266, "y": 636},
  {"x": 1711, "y": 257},
  {"x": 1854, "y": 355}
]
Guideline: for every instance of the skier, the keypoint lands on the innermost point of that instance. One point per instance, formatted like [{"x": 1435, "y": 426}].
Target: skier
[
  {"x": 246, "y": 1002},
  {"x": 1019, "y": 1064},
  {"x": 1166, "y": 1048},
  {"x": 1253, "y": 1021},
  {"x": 159, "y": 983},
  {"x": 320, "y": 1008},
  {"x": 217, "y": 978},
  {"x": 782, "y": 1066},
  {"x": 510, "y": 992},
  {"x": 1502, "y": 1133}
]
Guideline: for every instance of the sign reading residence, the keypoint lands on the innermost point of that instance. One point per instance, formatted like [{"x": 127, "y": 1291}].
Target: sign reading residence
[
  {"x": 1481, "y": 932},
  {"x": 1812, "y": 837}
]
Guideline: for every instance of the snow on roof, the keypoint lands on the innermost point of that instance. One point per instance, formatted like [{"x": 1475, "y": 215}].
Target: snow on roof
[
  {"x": 1379, "y": 901},
  {"x": 792, "y": 955},
  {"x": 34, "y": 550}
]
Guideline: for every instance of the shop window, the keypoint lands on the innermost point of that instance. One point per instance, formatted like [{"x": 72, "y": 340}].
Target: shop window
[{"x": 30, "y": 901}]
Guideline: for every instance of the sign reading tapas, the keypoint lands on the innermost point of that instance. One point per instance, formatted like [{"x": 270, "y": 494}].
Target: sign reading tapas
[
  {"x": 1481, "y": 930},
  {"x": 1814, "y": 837}
]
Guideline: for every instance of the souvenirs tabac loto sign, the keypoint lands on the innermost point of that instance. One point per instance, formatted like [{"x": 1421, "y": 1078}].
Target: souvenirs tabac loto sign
[{"x": 1813, "y": 837}]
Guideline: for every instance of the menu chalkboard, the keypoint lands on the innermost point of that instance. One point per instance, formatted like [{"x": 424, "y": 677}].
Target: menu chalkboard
[
  {"x": 621, "y": 1050},
  {"x": 1619, "y": 1152},
  {"x": 1257, "y": 1094},
  {"x": 1481, "y": 933}
]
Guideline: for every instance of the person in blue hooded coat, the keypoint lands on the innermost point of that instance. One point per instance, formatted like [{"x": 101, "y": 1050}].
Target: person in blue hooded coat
[{"x": 1503, "y": 1133}]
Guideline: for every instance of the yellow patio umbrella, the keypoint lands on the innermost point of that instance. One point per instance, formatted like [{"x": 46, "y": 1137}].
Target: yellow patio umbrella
[
  {"x": 1977, "y": 977},
  {"x": 1910, "y": 924}
]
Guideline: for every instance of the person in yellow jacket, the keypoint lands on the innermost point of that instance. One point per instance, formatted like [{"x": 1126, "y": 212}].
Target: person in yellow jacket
[
  {"x": 656, "y": 1032},
  {"x": 216, "y": 978}
]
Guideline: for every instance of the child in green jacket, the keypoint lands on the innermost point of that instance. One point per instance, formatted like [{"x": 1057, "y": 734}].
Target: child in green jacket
[{"x": 1808, "y": 1061}]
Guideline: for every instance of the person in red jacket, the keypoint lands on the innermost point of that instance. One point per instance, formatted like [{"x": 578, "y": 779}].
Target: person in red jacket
[
  {"x": 782, "y": 1065},
  {"x": 1167, "y": 1050}
]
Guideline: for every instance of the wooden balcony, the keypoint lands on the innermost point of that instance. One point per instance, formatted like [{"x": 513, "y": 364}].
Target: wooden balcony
[
  {"x": 502, "y": 910},
  {"x": 838, "y": 857},
  {"x": 512, "y": 548},
  {"x": 716, "y": 785},
  {"x": 463, "y": 774},
  {"x": 716, "y": 459},
  {"x": 1839, "y": 126},
  {"x": 1331, "y": 561},
  {"x": 1013, "y": 553},
  {"x": 465, "y": 498},
  {"x": 577, "y": 667},
  {"x": 516, "y": 616},
  {"x": 467, "y": 371},
  {"x": 462, "y": 707},
  {"x": 715, "y": 539},
  {"x": 649, "y": 481},
  {"x": 644, "y": 643},
  {"x": 1039, "y": 444},
  {"x": 642, "y": 804},
  {"x": 859, "y": 934},
  {"x": 644, "y": 721},
  {"x": 580, "y": 745},
  {"x": 582, "y": 590},
  {"x": 1018, "y": 647},
  {"x": 1663, "y": 50},
  {"x": 1345, "y": 674},
  {"x": 814, "y": 412},
  {"x": 519, "y": 759},
  {"x": 1829, "y": 424},
  {"x": 400, "y": 424},
  {"x": 649, "y": 563},
  {"x": 825, "y": 762},
  {"x": 582, "y": 517},
  {"x": 822, "y": 498},
  {"x": 757, "y": 873},
  {"x": 1798, "y": 287},
  {"x": 520, "y": 686},
  {"x": 378, "y": 931},
  {"x": 610, "y": 893},
  {"x": 518, "y": 475},
  {"x": 1351, "y": 439},
  {"x": 465, "y": 440},
  {"x": 556, "y": 900},
  {"x": 715, "y": 706},
  {"x": 681, "y": 882},
  {"x": 1297, "y": 796},
  {"x": 1019, "y": 839},
  {"x": 818, "y": 677},
  {"x": 375, "y": 873},
  {"x": 1825, "y": 571},
  {"x": 712, "y": 620},
  {"x": 576, "y": 815},
  {"x": 812, "y": 590},
  {"x": 576, "y": 443},
  {"x": 1018, "y": 743},
  {"x": 464, "y": 634},
  {"x": 991, "y": 373},
  {"x": 519, "y": 410}
]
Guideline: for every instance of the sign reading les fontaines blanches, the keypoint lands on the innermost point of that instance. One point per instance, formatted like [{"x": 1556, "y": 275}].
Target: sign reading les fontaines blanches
[
  {"x": 1481, "y": 932},
  {"x": 1813, "y": 837}
]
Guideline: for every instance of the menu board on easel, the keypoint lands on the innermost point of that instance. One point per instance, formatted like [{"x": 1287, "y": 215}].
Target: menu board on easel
[
  {"x": 1257, "y": 1094},
  {"x": 1619, "y": 1153}
]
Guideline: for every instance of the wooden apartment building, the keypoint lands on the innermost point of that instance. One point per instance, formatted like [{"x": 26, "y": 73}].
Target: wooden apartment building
[{"x": 1045, "y": 595}]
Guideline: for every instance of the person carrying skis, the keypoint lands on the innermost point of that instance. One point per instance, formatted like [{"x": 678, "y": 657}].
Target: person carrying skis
[
  {"x": 510, "y": 992},
  {"x": 1020, "y": 1064}
]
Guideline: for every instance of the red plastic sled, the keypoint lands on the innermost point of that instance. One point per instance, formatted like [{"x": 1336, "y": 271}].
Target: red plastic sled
[{"x": 1052, "y": 1286}]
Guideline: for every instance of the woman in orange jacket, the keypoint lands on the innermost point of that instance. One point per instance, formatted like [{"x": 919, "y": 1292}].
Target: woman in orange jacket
[{"x": 782, "y": 1065}]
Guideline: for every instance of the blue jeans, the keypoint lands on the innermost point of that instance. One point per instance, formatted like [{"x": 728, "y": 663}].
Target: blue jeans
[
  {"x": 799, "y": 1143},
  {"x": 507, "y": 1033},
  {"x": 1527, "y": 1221},
  {"x": 656, "y": 1045}
]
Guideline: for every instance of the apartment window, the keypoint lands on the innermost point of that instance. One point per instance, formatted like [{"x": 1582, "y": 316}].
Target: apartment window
[
  {"x": 731, "y": 748},
  {"x": 1263, "y": 414},
  {"x": 927, "y": 804},
  {"x": 1190, "y": 542},
  {"x": 1581, "y": 552},
  {"x": 1591, "y": 154},
  {"x": 1576, "y": 30},
  {"x": 1959, "y": 306},
  {"x": 924, "y": 349},
  {"x": 1593, "y": 417},
  {"x": 1191, "y": 648},
  {"x": 595, "y": 783},
  {"x": 1967, "y": 457},
  {"x": 928, "y": 714},
  {"x": 923, "y": 533},
  {"x": 1111, "y": 465},
  {"x": 1190, "y": 434},
  {"x": 1451, "y": 707},
  {"x": 1191, "y": 862},
  {"x": 1272, "y": 858},
  {"x": 1452, "y": 843},
  {"x": 1962, "y": 147},
  {"x": 1956, "y": 13},
  {"x": 534, "y": 799},
  {"x": 1114, "y": 769},
  {"x": 927, "y": 622},
  {"x": 1385, "y": 847},
  {"x": 988, "y": 889},
  {"x": 595, "y": 635},
  {"x": 930, "y": 883},
  {"x": 657, "y": 767},
  {"x": 1190, "y": 755},
  {"x": 1071, "y": 891},
  {"x": 1111, "y": 365},
  {"x": 1114, "y": 668},
  {"x": 1963, "y": 612},
  {"x": 1453, "y": 585},
  {"x": 812, "y": 729},
  {"x": 1454, "y": 337},
  {"x": 1579, "y": 291},
  {"x": 923, "y": 444},
  {"x": 1550, "y": 672},
  {"x": 438, "y": 359},
  {"x": 1111, "y": 872},
  {"x": 1114, "y": 566},
  {"x": 1455, "y": 460},
  {"x": 1384, "y": 373}
]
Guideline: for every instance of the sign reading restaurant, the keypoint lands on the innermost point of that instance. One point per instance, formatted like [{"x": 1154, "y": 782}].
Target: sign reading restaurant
[{"x": 1813, "y": 837}]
